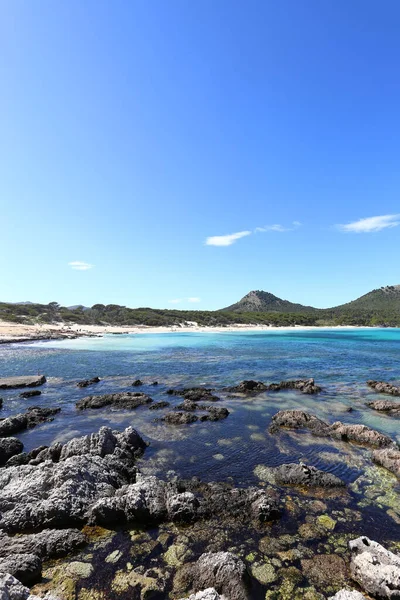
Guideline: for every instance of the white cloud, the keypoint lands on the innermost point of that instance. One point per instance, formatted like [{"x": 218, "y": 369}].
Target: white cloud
[
  {"x": 371, "y": 224},
  {"x": 180, "y": 300},
  {"x": 175, "y": 301},
  {"x": 78, "y": 265},
  {"x": 226, "y": 240},
  {"x": 194, "y": 299},
  {"x": 277, "y": 227}
]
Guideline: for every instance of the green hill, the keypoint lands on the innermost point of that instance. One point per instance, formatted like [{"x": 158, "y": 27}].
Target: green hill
[{"x": 259, "y": 301}]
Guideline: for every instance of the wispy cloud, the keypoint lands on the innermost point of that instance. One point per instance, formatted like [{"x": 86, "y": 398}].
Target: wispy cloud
[
  {"x": 175, "y": 301},
  {"x": 192, "y": 299},
  {"x": 78, "y": 265},
  {"x": 226, "y": 240},
  {"x": 278, "y": 227},
  {"x": 371, "y": 224}
]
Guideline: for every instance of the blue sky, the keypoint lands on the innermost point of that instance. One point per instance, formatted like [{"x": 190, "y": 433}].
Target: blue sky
[{"x": 136, "y": 136}]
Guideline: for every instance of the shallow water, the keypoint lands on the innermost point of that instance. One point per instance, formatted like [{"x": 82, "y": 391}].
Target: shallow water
[{"x": 229, "y": 450}]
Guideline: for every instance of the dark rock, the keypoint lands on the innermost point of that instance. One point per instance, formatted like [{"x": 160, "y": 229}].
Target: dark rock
[
  {"x": 188, "y": 405},
  {"x": 389, "y": 458},
  {"x": 387, "y": 406},
  {"x": 1, "y": 402},
  {"x": 59, "y": 494},
  {"x": 49, "y": 543},
  {"x": 24, "y": 457},
  {"x": 155, "y": 383},
  {"x": 158, "y": 405},
  {"x": 383, "y": 387},
  {"x": 223, "y": 571},
  {"x": 8, "y": 448},
  {"x": 376, "y": 569},
  {"x": 306, "y": 386},
  {"x": 179, "y": 418},
  {"x": 27, "y": 568},
  {"x": 248, "y": 387},
  {"x": 301, "y": 474},
  {"x": 361, "y": 434},
  {"x": 215, "y": 413},
  {"x": 137, "y": 383},
  {"x": 21, "y": 381},
  {"x": 182, "y": 507},
  {"x": 195, "y": 394},
  {"x": 34, "y": 416},
  {"x": 85, "y": 382},
  {"x": 127, "y": 400},
  {"x": 30, "y": 394}
]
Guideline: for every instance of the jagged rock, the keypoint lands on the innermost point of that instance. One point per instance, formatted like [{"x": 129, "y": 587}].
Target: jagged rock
[
  {"x": 27, "y": 568},
  {"x": 387, "y": 406},
  {"x": 24, "y": 457},
  {"x": 389, "y": 458},
  {"x": 128, "y": 400},
  {"x": 383, "y": 387},
  {"x": 151, "y": 500},
  {"x": 195, "y": 394},
  {"x": 208, "y": 594},
  {"x": 215, "y": 413},
  {"x": 34, "y": 416},
  {"x": 158, "y": 405},
  {"x": 59, "y": 494},
  {"x": 188, "y": 405},
  {"x": 137, "y": 383},
  {"x": 301, "y": 474},
  {"x": 223, "y": 571},
  {"x": 179, "y": 418},
  {"x": 346, "y": 595},
  {"x": 21, "y": 381},
  {"x": 376, "y": 569},
  {"x": 49, "y": 543},
  {"x": 12, "y": 589},
  {"x": 85, "y": 382},
  {"x": 30, "y": 394},
  {"x": 8, "y": 448},
  {"x": 361, "y": 434},
  {"x": 306, "y": 386},
  {"x": 248, "y": 387}
]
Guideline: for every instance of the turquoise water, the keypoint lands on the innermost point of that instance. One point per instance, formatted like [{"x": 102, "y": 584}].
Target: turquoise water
[{"x": 341, "y": 361}]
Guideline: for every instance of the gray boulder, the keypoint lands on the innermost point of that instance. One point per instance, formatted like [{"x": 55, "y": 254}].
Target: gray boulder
[
  {"x": 387, "y": 406},
  {"x": 383, "y": 387},
  {"x": 12, "y": 589},
  {"x": 389, "y": 458},
  {"x": 21, "y": 381},
  {"x": 224, "y": 572},
  {"x": 49, "y": 543},
  {"x": 8, "y": 448},
  {"x": 375, "y": 569},
  {"x": 346, "y": 595},
  {"x": 34, "y": 416},
  {"x": 208, "y": 594},
  {"x": 27, "y": 568}
]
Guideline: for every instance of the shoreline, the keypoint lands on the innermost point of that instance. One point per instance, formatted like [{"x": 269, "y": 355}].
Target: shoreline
[{"x": 20, "y": 333}]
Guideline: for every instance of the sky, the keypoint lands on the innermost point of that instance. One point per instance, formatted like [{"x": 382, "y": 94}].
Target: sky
[{"x": 180, "y": 154}]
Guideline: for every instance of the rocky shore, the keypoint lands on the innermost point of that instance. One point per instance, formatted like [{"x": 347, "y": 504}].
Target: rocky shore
[{"x": 79, "y": 520}]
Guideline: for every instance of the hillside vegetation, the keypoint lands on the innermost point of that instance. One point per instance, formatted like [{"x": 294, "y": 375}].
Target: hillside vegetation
[{"x": 380, "y": 307}]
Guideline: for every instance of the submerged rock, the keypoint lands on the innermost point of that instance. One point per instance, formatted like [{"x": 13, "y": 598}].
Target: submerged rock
[
  {"x": 85, "y": 382},
  {"x": 302, "y": 474},
  {"x": 27, "y": 568},
  {"x": 179, "y": 418},
  {"x": 361, "y": 434},
  {"x": 383, "y": 387},
  {"x": 30, "y": 394},
  {"x": 389, "y": 458},
  {"x": 248, "y": 387},
  {"x": 137, "y": 383},
  {"x": 34, "y": 416},
  {"x": 215, "y": 413},
  {"x": 387, "y": 406},
  {"x": 376, "y": 569},
  {"x": 223, "y": 571},
  {"x": 21, "y": 381},
  {"x": 195, "y": 394},
  {"x": 8, "y": 448},
  {"x": 158, "y": 405},
  {"x": 128, "y": 400}
]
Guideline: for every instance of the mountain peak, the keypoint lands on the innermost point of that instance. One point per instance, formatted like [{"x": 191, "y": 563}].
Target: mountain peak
[{"x": 260, "y": 301}]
